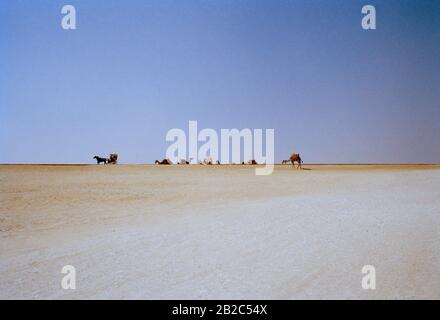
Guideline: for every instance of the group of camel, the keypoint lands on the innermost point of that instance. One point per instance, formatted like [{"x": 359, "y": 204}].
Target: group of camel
[
  {"x": 207, "y": 161},
  {"x": 113, "y": 159},
  {"x": 295, "y": 157}
]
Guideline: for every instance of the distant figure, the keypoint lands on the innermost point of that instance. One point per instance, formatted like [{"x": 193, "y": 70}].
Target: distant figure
[
  {"x": 208, "y": 161},
  {"x": 183, "y": 161},
  {"x": 100, "y": 159},
  {"x": 252, "y": 162},
  {"x": 113, "y": 159},
  {"x": 295, "y": 157},
  {"x": 218, "y": 162},
  {"x": 164, "y": 161}
]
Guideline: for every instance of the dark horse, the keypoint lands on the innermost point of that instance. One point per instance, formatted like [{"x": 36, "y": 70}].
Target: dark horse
[{"x": 100, "y": 159}]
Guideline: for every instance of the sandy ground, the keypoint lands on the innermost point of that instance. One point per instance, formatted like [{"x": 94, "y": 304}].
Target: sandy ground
[{"x": 219, "y": 232}]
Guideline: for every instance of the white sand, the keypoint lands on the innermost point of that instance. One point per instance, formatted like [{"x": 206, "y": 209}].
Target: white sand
[{"x": 219, "y": 232}]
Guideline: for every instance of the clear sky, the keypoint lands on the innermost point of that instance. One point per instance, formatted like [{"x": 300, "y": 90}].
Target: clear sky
[{"x": 135, "y": 69}]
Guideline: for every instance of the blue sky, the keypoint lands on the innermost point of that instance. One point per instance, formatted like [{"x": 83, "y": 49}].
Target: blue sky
[{"x": 135, "y": 69}]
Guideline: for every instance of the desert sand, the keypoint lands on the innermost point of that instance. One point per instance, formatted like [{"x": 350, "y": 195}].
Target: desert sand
[{"x": 219, "y": 232}]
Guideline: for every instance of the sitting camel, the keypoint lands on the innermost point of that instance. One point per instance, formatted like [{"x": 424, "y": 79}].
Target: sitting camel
[
  {"x": 164, "y": 161},
  {"x": 208, "y": 161},
  {"x": 100, "y": 159},
  {"x": 183, "y": 161}
]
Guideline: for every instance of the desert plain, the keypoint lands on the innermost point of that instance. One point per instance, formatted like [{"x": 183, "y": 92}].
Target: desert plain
[{"x": 219, "y": 232}]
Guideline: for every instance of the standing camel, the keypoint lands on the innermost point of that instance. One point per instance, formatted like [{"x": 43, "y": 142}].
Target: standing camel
[{"x": 294, "y": 157}]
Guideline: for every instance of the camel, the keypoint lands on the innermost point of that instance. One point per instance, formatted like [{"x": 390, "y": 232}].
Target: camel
[
  {"x": 100, "y": 159},
  {"x": 250, "y": 162},
  {"x": 164, "y": 161},
  {"x": 295, "y": 157},
  {"x": 207, "y": 161},
  {"x": 183, "y": 161}
]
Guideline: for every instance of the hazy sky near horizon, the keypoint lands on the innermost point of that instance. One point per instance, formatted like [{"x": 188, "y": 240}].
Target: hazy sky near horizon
[{"x": 135, "y": 69}]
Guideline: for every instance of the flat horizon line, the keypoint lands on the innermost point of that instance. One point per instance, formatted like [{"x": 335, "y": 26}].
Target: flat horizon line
[{"x": 224, "y": 164}]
